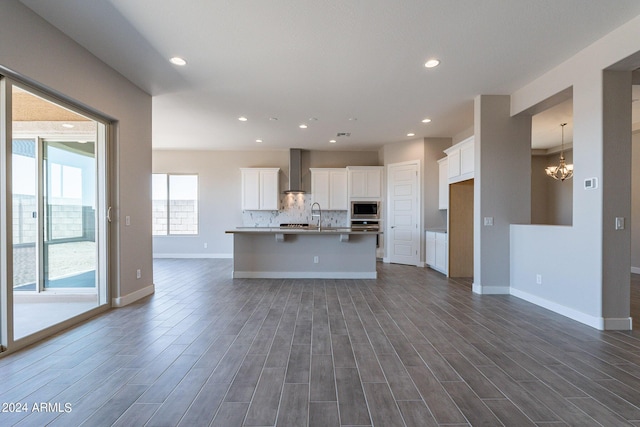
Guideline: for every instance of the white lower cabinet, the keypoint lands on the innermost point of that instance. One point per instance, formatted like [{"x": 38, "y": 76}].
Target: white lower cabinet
[{"x": 436, "y": 251}]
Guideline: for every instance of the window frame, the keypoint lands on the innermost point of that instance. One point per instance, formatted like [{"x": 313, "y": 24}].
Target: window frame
[{"x": 168, "y": 204}]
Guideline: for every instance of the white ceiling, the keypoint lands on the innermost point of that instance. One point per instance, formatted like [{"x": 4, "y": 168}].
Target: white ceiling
[{"x": 332, "y": 60}]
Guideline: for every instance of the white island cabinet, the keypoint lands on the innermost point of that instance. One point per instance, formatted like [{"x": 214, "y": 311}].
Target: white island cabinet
[
  {"x": 260, "y": 189},
  {"x": 329, "y": 188}
]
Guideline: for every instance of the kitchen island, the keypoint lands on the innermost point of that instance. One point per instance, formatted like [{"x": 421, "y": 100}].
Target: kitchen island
[{"x": 329, "y": 253}]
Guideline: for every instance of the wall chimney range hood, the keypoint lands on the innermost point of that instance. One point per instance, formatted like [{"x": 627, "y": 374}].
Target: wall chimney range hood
[{"x": 295, "y": 171}]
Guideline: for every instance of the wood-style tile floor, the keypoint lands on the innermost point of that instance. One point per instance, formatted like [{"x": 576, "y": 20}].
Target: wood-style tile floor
[{"x": 411, "y": 348}]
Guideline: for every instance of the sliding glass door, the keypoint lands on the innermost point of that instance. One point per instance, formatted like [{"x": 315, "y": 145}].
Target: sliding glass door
[
  {"x": 69, "y": 201},
  {"x": 58, "y": 228}
]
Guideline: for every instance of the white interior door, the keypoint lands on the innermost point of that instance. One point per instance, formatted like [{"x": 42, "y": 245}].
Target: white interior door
[{"x": 404, "y": 213}]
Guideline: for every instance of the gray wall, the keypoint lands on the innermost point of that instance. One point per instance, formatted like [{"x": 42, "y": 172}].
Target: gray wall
[
  {"x": 433, "y": 151},
  {"x": 585, "y": 283},
  {"x": 219, "y": 188},
  {"x": 33, "y": 48},
  {"x": 502, "y": 188},
  {"x": 635, "y": 204}
]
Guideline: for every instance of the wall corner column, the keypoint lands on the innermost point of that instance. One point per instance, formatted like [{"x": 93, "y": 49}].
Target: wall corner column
[
  {"x": 502, "y": 188},
  {"x": 616, "y": 192}
]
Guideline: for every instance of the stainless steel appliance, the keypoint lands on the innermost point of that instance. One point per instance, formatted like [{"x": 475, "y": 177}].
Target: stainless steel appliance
[
  {"x": 361, "y": 210},
  {"x": 366, "y": 225}
]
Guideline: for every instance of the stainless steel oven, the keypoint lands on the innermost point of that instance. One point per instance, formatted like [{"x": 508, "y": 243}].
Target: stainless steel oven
[
  {"x": 365, "y": 225},
  {"x": 365, "y": 210}
]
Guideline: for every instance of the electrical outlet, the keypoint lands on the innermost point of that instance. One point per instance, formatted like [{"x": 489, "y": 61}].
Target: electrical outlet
[
  {"x": 539, "y": 279},
  {"x": 316, "y": 259},
  {"x": 206, "y": 245},
  {"x": 138, "y": 273},
  {"x": 127, "y": 220},
  {"x": 488, "y": 221},
  {"x": 620, "y": 223}
]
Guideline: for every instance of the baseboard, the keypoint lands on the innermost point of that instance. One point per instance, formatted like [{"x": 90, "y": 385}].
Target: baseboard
[
  {"x": 133, "y": 296},
  {"x": 200, "y": 255},
  {"x": 421, "y": 264},
  {"x": 635, "y": 270},
  {"x": 615, "y": 324},
  {"x": 304, "y": 275},
  {"x": 600, "y": 323},
  {"x": 490, "y": 290}
]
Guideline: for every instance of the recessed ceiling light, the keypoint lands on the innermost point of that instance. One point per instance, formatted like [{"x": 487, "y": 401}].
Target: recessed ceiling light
[
  {"x": 352, "y": 119},
  {"x": 176, "y": 60},
  {"x": 67, "y": 125},
  {"x": 258, "y": 140},
  {"x": 432, "y": 63},
  {"x": 242, "y": 118},
  {"x": 411, "y": 134},
  {"x": 332, "y": 141},
  {"x": 303, "y": 126},
  {"x": 426, "y": 121}
]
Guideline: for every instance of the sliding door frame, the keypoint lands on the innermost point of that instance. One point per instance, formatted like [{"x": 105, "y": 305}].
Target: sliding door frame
[{"x": 106, "y": 168}]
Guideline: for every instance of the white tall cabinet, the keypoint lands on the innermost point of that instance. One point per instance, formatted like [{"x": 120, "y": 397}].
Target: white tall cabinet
[
  {"x": 260, "y": 189},
  {"x": 329, "y": 188}
]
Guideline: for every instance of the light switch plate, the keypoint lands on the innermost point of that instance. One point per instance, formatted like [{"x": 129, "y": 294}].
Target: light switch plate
[
  {"x": 620, "y": 223},
  {"x": 488, "y": 220}
]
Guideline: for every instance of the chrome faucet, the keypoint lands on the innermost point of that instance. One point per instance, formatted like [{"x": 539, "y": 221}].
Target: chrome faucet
[{"x": 319, "y": 214}]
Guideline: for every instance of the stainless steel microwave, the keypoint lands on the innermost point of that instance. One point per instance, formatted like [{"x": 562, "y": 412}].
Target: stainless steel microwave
[{"x": 365, "y": 210}]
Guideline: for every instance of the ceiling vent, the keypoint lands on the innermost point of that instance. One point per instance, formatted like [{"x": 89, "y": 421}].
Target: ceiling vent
[{"x": 339, "y": 134}]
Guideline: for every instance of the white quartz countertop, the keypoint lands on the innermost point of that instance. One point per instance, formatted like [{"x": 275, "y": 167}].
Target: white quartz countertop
[{"x": 310, "y": 230}]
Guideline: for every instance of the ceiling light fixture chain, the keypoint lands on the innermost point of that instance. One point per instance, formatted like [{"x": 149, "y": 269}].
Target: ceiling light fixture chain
[{"x": 563, "y": 171}]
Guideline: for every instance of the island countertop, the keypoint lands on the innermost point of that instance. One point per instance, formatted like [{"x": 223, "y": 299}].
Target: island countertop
[{"x": 306, "y": 230}]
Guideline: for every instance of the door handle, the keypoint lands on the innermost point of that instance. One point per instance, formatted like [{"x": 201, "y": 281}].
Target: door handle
[
  {"x": 109, "y": 214},
  {"x": 393, "y": 226}
]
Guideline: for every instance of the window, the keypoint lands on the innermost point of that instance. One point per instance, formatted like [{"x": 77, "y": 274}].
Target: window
[{"x": 175, "y": 204}]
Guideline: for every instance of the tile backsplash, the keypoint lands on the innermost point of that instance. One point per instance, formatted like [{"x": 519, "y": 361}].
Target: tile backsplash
[{"x": 294, "y": 209}]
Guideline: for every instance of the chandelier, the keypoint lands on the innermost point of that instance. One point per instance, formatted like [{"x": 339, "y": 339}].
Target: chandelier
[{"x": 562, "y": 171}]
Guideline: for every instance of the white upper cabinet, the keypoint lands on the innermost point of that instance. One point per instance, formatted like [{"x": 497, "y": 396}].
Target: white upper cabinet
[
  {"x": 260, "y": 189},
  {"x": 329, "y": 188},
  {"x": 443, "y": 183},
  {"x": 365, "y": 182},
  {"x": 460, "y": 159}
]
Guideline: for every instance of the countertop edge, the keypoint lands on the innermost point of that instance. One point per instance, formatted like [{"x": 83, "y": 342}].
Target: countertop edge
[{"x": 275, "y": 230}]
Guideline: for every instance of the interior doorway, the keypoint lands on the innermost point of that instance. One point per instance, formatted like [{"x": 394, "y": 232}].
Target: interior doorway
[
  {"x": 403, "y": 224},
  {"x": 461, "y": 229}
]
